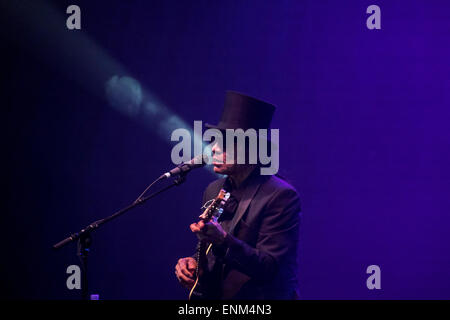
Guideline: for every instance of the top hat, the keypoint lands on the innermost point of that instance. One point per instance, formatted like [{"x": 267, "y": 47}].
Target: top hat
[{"x": 244, "y": 112}]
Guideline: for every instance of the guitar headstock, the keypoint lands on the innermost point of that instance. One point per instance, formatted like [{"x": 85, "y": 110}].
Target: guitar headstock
[{"x": 215, "y": 209}]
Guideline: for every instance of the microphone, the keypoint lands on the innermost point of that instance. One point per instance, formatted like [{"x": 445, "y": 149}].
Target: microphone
[{"x": 197, "y": 162}]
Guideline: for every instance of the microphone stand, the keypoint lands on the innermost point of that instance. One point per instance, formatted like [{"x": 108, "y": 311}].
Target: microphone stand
[{"x": 84, "y": 239}]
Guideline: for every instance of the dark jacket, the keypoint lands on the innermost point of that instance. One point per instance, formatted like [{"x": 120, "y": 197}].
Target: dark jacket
[{"x": 259, "y": 259}]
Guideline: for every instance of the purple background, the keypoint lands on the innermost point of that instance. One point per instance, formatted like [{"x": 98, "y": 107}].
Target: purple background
[{"x": 363, "y": 117}]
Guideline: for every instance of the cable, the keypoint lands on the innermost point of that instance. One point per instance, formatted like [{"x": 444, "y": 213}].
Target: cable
[{"x": 146, "y": 189}]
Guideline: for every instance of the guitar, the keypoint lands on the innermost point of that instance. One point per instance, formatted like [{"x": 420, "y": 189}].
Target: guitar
[{"x": 212, "y": 213}]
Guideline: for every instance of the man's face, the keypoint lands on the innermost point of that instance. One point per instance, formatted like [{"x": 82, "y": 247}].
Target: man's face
[{"x": 219, "y": 161}]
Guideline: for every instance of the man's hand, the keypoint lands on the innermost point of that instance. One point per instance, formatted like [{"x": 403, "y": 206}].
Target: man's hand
[
  {"x": 184, "y": 270},
  {"x": 211, "y": 231}
]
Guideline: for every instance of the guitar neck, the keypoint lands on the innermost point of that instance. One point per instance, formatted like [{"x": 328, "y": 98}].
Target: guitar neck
[
  {"x": 201, "y": 253},
  {"x": 213, "y": 211}
]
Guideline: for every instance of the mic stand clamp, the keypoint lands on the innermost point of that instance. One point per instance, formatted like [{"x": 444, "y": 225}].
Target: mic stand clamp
[{"x": 180, "y": 178}]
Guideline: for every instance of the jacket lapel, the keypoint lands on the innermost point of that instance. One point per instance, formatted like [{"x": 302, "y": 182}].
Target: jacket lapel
[{"x": 247, "y": 197}]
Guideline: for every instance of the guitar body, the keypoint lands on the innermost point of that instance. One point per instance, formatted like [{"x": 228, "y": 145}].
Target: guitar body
[{"x": 212, "y": 212}]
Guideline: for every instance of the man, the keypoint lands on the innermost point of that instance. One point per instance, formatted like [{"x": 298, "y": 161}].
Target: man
[{"x": 255, "y": 241}]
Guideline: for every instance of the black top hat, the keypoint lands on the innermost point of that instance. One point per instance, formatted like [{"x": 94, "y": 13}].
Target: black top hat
[{"x": 244, "y": 112}]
